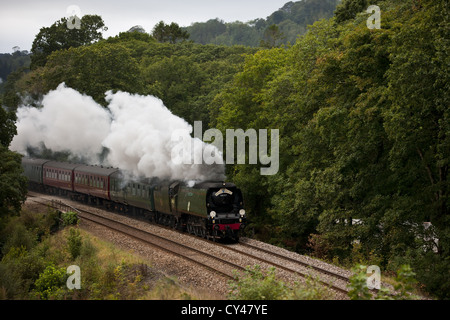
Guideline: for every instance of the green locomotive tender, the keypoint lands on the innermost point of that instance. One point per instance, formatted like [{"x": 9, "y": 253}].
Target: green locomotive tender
[{"x": 213, "y": 210}]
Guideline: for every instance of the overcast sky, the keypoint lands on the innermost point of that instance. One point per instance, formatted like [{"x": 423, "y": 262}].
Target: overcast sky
[{"x": 21, "y": 20}]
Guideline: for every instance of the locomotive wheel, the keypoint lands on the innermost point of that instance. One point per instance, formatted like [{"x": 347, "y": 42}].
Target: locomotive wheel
[{"x": 190, "y": 229}]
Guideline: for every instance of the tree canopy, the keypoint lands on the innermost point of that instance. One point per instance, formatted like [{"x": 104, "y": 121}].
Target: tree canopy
[
  {"x": 13, "y": 185},
  {"x": 58, "y": 36},
  {"x": 364, "y": 127},
  {"x": 169, "y": 32},
  {"x": 291, "y": 20}
]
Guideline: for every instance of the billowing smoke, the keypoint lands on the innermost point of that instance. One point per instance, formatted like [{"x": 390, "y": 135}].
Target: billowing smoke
[
  {"x": 136, "y": 130},
  {"x": 68, "y": 121}
]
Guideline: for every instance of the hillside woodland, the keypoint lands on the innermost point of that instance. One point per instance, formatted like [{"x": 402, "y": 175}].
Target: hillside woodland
[{"x": 363, "y": 115}]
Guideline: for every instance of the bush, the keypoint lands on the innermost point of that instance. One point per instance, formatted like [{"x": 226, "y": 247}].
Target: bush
[
  {"x": 74, "y": 242},
  {"x": 50, "y": 282},
  {"x": 19, "y": 236},
  {"x": 69, "y": 218},
  {"x": 255, "y": 285},
  {"x": 405, "y": 284},
  {"x": 358, "y": 284},
  {"x": 314, "y": 290}
]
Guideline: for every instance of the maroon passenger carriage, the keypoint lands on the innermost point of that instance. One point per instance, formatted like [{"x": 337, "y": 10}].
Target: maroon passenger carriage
[
  {"x": 58, "y": 177},
  {"x": 78, "y": 181},
  {"x": 93, "y": 182}
]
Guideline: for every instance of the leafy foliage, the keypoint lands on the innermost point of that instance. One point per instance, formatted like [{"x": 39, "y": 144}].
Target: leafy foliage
[
  {"x": 405, "y": 281},
  {"x": 185, "y": 76},
  {"x": 291, "y": 21},
  {"x": 363, "y": 120},
  {"x": 169, "y": 32},
  {"x": 12, "y": 62},
  {"x": 58, "y": 36},
  {"x": 74, "y": 243},
  {"x": 13, "y": 185},
  {"x": 69, "y": 218},
  {"x": 348, "y": 9},
  {"x": 50, "y": 282},
  {"x": 255, "y": 285}
]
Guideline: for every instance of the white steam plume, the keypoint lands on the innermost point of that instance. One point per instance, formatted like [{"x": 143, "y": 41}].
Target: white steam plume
[
  {"x": 68, "y": 121},
  {"x": 136, "y": 130}
]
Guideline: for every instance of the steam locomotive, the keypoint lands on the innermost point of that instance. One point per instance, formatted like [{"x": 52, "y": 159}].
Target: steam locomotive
[{"x": 212, "y": 210}]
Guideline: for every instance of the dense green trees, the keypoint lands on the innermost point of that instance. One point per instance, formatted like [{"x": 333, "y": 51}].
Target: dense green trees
[
  {"x": 13, "y": 185},
  {"x": 12, "y": 62},
  {"x": 364, "y": 151},
  {"x": 169, "y": 32},
  {"x": 186, "y": 76},
  {"x": 58, "y": 36},
  {"x": 292, "y": 20}
]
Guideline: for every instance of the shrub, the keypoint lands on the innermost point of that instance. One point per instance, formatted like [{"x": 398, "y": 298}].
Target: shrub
[
  {"x": 19, "y": 236},
  {"x": 69, "y": 218},
  {"x": 358, "y": 284},
  {"x": 50, "y": 282},
  {"x": 319, "y": 246},
  {"x": 405, "y": 283},
  {"x": 74, "y": 242},
  {"x": 313, "y": 290},
  {"x": 255, "y": 285}
]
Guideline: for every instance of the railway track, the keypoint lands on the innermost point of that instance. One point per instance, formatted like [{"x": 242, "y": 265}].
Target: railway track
[
  {"x": 222, "y": 266},
  {"x": 330, "y": 279},
  {"x": 193, "y": 255},
  {"x": 333, "y": 280}
]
